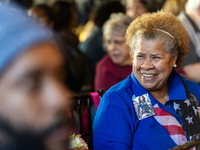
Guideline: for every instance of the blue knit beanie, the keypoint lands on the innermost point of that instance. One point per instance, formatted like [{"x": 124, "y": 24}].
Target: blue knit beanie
[{"x": 17, "y": 33}]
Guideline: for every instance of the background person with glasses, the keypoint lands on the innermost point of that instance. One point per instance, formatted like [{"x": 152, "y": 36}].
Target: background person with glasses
[{"x": 117, "y": 64}]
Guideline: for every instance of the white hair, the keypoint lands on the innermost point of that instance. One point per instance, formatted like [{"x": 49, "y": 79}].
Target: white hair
[
  {"x": 192, "y": 4},
  {"x": 117, "y": 23}
]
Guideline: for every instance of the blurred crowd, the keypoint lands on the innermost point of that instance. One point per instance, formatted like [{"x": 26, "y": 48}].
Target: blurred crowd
[
  {"x": 91, "y": 37},
  {"x": 83, "y": 42},
  {"x": 80, "y": 27}
]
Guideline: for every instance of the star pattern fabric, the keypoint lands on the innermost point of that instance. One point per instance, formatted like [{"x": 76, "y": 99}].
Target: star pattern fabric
[
  {"x": 187, "y": 110},
  {"x": 188, "y": 114},
  {"x": 176, "y": 106},
  {"x": 195, "y": 110},
  {"x": 187, "y": 102},
  {"x": 189, "y": 119}
]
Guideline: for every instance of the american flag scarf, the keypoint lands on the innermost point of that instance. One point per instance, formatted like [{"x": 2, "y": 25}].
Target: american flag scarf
[
  {"x": 169, "y": 122},
  {"x": 187, "y": 110}
]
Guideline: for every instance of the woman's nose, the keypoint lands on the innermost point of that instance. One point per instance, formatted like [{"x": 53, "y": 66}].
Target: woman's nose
[
  {"x": 147, "y": 64},
  {"x": 112, "y": 46}
]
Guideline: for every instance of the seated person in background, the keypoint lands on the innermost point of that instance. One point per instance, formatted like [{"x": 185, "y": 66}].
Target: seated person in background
[
  {"x": 66, "y": 16},
  {"x": 175, "y": 7},
  {"x": 158, "y": 43},
  {"x": 135, "y": 8},
  {"x": 116, "y": 65},
  {"x": 92, "y": 47},
  {"x": 190, "y": 19},
  {"x": 33, "y": 98},
  {"x": 42, "y": 14},
  {"x": 80, "y": 76}
]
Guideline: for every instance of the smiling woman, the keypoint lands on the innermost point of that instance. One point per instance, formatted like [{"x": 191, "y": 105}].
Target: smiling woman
[{"x": 158, "y": 43}]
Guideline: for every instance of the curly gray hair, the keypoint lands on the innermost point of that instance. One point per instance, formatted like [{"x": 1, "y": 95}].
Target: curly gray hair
[{"x": 156, "y": 26}]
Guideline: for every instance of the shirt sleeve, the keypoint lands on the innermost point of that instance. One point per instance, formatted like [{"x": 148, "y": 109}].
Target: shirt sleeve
[{"x": 113, "y": 124}]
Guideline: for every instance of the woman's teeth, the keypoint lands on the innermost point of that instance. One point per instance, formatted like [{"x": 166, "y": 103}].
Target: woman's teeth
[{"x": 147, "y": 75}]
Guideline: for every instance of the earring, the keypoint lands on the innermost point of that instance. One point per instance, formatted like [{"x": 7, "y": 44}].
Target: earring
[{"x": 175, "y": 66}]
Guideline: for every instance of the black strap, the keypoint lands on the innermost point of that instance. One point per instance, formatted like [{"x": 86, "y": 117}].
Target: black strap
[{"x": 187, "y": 112}]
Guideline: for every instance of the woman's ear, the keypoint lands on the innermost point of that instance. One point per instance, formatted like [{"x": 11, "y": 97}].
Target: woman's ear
[{"x": 175, "y": 59}]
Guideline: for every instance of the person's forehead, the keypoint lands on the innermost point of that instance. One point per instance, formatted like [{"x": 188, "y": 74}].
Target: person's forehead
[
  {"x": 114, "y": 34},
  {"x": 133, "y": 2},
  {"x": 43, "y": 53},
  {"x": 44, "y": 57},
  {"x": 141, "y": 42}
]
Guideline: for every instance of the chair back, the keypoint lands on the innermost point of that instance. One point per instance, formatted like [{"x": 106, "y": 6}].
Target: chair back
[
  {"x": 83, "y": 108},
  {"x": 78, "y": 104}
]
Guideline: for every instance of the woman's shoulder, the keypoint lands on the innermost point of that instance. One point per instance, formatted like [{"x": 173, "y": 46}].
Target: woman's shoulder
[
  {"x": 193, "y": 87},
  {"x": 122, "y": 89},
  {"x": 190, "y": 83},
  {"x": 119, "y": 95},
  {"x": 105, "y": 59},
  {"x": 105, "y": 62}
]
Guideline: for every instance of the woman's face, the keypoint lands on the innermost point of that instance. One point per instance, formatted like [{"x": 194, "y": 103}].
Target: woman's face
[
  {"x": 141, "y": 98},
  {"x": 117, "y": 49},
  {"x": 135, "y": 9},
  {"x": 152, "y": 64}
]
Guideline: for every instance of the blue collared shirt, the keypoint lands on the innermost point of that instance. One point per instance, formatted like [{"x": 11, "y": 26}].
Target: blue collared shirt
[{"x": 116, "y": 125}]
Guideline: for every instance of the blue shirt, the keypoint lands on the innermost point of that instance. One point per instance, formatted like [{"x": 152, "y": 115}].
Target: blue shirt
[{"x": 116, "y": 125}]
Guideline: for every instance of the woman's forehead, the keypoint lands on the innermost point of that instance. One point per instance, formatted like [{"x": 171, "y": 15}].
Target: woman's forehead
[{"x": 114, "y": 33}]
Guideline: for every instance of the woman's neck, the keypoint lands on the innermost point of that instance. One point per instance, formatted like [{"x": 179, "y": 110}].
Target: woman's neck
[{"x": 161, "y": 95}]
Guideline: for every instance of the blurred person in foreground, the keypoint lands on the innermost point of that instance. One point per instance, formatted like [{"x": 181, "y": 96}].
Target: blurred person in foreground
[
  {"x": 116, "y": 65},
  {"x": 190, "y": 19},
  {"x": 33, "y": 99},
  {"x": 158, "y": 44}
]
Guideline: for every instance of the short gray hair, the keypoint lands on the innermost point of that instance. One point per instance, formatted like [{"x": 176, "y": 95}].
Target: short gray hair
[{"x": 117, "y": 23}]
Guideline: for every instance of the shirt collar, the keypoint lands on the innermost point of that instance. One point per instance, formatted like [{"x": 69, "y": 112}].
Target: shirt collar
[{"x": 176, "y": 88}]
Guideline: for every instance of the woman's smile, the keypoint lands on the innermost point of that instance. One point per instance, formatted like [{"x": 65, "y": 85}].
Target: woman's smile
[
  {"x": 148, "y": 77},
  {"x": 151, "y": 66}
]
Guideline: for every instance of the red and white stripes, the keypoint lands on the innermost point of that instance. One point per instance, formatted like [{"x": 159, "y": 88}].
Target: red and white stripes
[{"x": 169, "y": 122}]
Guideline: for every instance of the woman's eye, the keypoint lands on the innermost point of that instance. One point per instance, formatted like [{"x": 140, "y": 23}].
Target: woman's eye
[
  {"x": 30, "y": 84},
  {"x": 156, "y": 57},
  {"x": 107, "y": 42},
  {"x": 33, "y": 85},
  {"x": 140, "y": 56}
]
